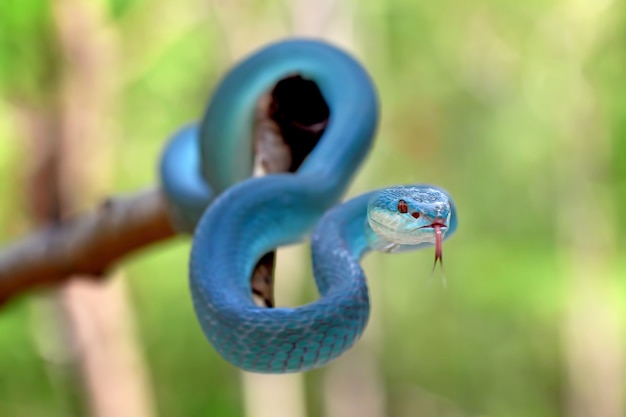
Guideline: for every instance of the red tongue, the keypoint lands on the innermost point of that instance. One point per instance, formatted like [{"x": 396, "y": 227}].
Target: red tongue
[
  {"x": 438, "y": 244},
  {"x": 438, "y": 248}
]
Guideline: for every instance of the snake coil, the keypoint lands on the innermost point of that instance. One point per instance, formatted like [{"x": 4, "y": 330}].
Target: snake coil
[{"x": 206, "y": 172}]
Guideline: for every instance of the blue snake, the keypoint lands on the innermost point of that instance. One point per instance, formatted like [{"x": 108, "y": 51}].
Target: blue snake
[{"x": 205, "y": 172}]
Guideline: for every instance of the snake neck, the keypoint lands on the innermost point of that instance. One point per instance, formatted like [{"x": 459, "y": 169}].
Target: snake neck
[{"x": 342, "y": 235}]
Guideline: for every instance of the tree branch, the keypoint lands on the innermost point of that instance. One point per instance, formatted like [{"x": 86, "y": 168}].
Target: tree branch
[
  {"x": 86, "y": 245},
  {"x": 290, "y": 121}
]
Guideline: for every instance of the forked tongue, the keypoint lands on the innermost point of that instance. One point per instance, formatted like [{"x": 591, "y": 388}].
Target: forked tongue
[{"x": 439, "y": 251}]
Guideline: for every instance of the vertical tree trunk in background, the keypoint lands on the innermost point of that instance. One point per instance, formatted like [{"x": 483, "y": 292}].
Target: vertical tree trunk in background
[
  {"x": 96, "y": 318},
  {"x": 284, "y": 395},
  {"x": 591, "y": 326},
  {"x": 353, "y": 385},
  {"x": 592, "y": 338},
  {"x": 328, "y": 19},
  {"x": 266, "y": 395}
]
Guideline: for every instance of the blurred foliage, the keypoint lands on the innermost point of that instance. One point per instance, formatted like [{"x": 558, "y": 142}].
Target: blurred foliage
[
  {"x": 28, "y": 52},
  {"x": 478, "y": 97}
]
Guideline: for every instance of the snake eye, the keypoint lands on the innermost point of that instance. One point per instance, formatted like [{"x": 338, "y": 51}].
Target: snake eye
[
  {"x": 415, "y": 214},
  {"x": 402, "y": 207}
]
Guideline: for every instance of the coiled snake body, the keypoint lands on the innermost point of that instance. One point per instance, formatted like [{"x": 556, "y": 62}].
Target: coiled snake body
[{"x": 252, "y": 216}]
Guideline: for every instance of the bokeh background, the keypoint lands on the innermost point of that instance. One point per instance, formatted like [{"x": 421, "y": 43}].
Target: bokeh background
[{"x": 517, "y": 108}]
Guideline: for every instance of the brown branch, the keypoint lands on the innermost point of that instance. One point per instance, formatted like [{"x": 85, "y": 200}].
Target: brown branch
[{"x": 86, "y": 245}]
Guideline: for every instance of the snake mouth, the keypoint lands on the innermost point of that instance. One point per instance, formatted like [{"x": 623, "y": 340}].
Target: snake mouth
[{"x": 436, "y": 225}]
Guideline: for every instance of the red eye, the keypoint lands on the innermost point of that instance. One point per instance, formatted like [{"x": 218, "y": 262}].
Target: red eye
[
  {"x": 415, "y": 214},
  {"x": 402, "y": 207}
]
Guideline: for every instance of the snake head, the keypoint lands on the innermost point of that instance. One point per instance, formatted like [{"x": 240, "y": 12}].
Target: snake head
[{"x": 411, "y": 215}]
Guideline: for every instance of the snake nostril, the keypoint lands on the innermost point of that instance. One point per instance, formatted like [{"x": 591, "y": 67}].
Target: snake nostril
[{"x": 415, "y": 214}]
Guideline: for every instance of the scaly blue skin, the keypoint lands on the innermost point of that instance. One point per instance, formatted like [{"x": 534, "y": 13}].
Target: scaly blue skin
[{"x": 250, "y": 217}]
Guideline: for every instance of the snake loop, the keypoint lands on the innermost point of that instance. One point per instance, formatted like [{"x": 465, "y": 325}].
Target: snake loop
[{"x": 250, "y": 216}]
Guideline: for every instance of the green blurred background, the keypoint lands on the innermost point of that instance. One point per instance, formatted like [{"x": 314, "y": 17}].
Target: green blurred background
[{"x": 517, "y": 108}]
